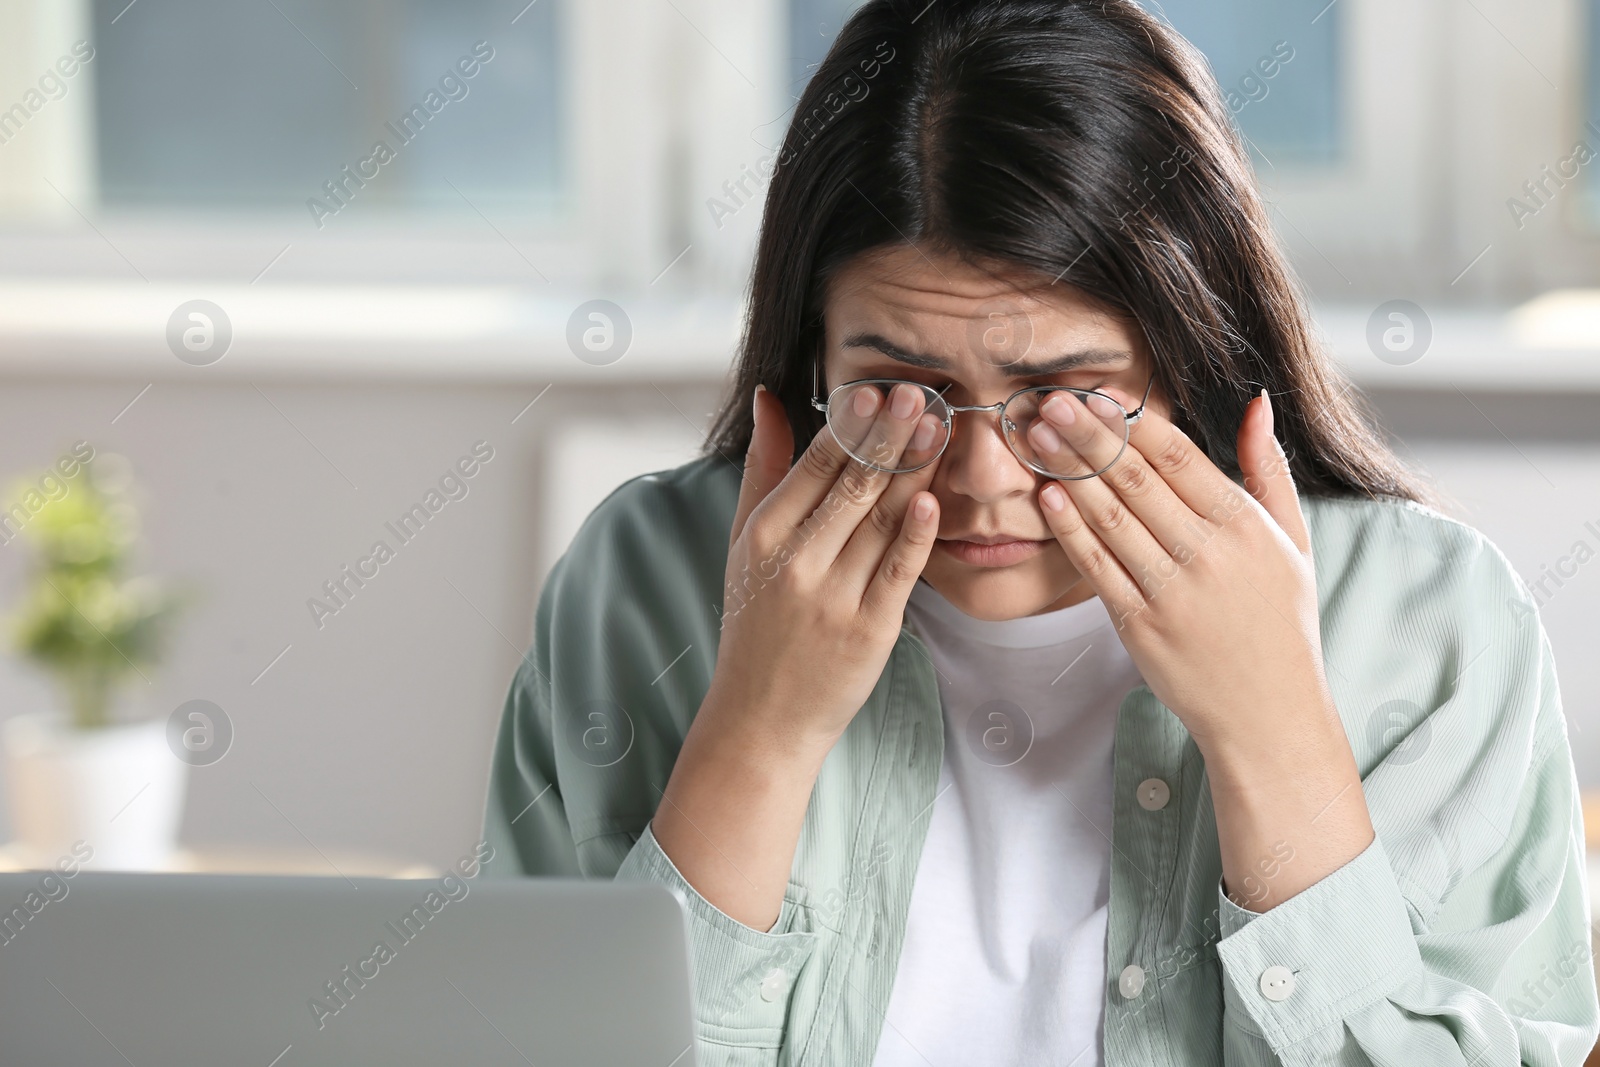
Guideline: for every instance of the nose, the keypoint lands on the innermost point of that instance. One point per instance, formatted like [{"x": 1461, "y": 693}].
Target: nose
[{"x": 977, "y": 463}]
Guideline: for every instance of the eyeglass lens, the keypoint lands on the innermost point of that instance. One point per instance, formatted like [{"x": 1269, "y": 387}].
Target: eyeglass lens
[
  {"x": 1085, "y": 447},
  {"x": 893, "y": 426}
]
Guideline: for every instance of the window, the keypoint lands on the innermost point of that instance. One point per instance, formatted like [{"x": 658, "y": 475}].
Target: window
[
  {"x": 254, "y": 107},
  {"x": 1277, "y": 62},
  {"x": 813, "y": 24},
  {"x": 1588, "y": 192}
]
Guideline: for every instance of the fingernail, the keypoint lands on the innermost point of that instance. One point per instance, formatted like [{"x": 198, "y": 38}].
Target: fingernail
[
  {"x": 1106, "y": 409},
  {"x": 922, "y": 508},
  {"x": 1045, "y": 439},
  {"x": 1059, "y": 408},
  {"x": 1266, "y": 402},
  {"x": 1052, "y": 497},
  {"x": 755, "y": 405}
]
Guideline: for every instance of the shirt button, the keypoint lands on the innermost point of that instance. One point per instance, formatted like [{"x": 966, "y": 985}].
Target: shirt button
[
  {"x": 772, "y": 985},
  {"x": 1277, "y": 983},
  {"x": 1153, "y": 794},
  {"x": 1131, "y": 981}
]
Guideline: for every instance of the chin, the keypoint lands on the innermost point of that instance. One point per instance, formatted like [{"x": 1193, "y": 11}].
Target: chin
[{"x": 998, "y": 593}]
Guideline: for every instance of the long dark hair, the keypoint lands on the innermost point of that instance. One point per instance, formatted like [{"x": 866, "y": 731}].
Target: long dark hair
[{"x": 1073, "y": 139}]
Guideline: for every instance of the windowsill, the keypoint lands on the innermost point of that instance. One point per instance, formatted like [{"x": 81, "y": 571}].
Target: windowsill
[
  {"x": 1550, "y": 344},
  {"x": 506, "y": 333},
  {"x": 467, "y": 333}
]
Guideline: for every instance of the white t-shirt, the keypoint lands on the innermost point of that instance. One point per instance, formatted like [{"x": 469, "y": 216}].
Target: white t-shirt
[{"x": 1005, "y": 951}]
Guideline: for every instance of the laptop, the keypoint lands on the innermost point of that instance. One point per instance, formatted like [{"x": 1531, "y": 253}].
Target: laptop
[{"x": 173, "y": 970}]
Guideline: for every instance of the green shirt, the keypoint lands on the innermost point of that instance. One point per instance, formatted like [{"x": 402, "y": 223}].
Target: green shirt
[{"x": 1460, "y": 936}]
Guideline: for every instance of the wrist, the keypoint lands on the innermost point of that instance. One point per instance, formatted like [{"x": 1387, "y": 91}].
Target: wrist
[
  {"x": 1292, "y": 793},
  {"x": 732, "y": 811},
  {"x": 1299, "y": 759},
  {"x": 1258, "y": 730},
  {"x": 759, "y": 732}
]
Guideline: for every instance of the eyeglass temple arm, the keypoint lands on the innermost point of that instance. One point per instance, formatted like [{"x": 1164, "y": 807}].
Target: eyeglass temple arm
[{"x": 1134, "y": 415}]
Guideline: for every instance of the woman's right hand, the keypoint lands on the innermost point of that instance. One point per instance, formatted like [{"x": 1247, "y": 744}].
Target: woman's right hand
[
  {"x": 822, "y": 557},
  {"x": 821, "y": 561}
]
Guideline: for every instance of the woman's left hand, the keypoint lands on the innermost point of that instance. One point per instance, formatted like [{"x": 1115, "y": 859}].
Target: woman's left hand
[
  {"x": 1214, "y": 595},
  {"x": 1212, "y": 588}
]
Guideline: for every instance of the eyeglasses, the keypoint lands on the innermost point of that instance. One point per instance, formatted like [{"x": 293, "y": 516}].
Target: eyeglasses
[{"x": 862, "y": 417}]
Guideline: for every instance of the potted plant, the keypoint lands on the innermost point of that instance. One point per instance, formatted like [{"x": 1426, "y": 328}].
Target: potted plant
[{"x": 80, "y": 775}]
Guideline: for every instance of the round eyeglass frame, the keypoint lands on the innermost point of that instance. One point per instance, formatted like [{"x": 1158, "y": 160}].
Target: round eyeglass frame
[{"x": 1129, "y": 418}]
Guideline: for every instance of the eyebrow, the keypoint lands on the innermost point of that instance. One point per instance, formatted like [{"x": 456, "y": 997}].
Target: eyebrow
[{"x": 1083, "y": 357}]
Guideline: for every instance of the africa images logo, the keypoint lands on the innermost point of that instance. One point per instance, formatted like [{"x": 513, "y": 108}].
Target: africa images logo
[
  {"x": 343, "y": 187},
  {"x": 341, "y": 990},
  {"x": 453, "y": 485}
]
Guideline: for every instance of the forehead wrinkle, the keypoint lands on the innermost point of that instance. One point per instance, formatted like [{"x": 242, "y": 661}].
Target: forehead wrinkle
[
  {"x": 916, "y": 289},
  {"x": 915, "y": 293},
  {"x": 1086, "y": 355},
  {"x": 899, "y": 290},
  {"x": 905, "y": 267}
]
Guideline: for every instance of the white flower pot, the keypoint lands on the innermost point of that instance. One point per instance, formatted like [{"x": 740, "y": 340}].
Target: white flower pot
[{"x": 119, "y": 788}]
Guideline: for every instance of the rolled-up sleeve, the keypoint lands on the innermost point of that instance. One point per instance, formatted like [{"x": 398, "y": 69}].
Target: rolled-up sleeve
[
  {"x": 1493, "y": 968},
  {"x": 744, "y": 977}
]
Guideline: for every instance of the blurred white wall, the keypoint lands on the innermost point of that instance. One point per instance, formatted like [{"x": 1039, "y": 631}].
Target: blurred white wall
[{"x": 372, "y": 732}]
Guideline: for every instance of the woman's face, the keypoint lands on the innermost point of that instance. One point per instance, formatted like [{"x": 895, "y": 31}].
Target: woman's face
[{"x": 968, "y": 333}]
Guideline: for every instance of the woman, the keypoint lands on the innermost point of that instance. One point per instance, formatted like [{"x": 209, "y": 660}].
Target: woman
[{"x": 1044, "y": 708}]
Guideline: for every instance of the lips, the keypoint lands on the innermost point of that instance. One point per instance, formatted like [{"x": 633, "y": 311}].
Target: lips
[
  {"x": 991, "y": 550},
  {"x": 988, "y": 539}
]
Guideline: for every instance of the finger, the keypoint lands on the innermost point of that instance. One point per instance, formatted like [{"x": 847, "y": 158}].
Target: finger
[
  {"x": 1197, "y": 481},
  {"x": 1075, "y": 438},
  {"x": 1120, "y": 528},
  {"x": 824, "y": 511},
  {"x": 1266, "y": 472},
  {"x": 1112, "y": 583},
  {"x": 903, "y": 563},
  {"x": 803, "y": 485},
  {"x": 858, "y": 562},
  {"x": 901, "y": 433},
  {"x": 767, "y": 459},
  {"x": 1132, "y": 508}
]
